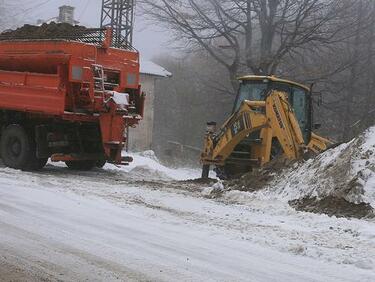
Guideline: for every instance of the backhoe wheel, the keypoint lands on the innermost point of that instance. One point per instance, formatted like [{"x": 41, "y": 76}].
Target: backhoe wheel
[
  {"x": 231, "y": 171},
  {"x": 18, "y": 149},
  {"x": 81, "y": 165}
]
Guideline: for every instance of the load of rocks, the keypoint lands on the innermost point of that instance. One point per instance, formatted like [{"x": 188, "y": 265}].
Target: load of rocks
[{"x": 45, "y": 31}]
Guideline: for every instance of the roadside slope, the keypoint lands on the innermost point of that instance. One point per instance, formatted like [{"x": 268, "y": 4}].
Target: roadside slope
[{"x": 340, "y": 181}]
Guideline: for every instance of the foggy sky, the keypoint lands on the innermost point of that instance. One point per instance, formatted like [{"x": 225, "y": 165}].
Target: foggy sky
[{"x": 148, "y": 39}]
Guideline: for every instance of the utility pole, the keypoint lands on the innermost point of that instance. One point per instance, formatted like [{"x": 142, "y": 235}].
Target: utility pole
[{"x": 119, "y": 15}]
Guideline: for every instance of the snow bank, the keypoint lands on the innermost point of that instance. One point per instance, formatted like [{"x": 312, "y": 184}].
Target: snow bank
[
  {"x": 147, "y": 166},
  {"x": 347, "y": 171}
]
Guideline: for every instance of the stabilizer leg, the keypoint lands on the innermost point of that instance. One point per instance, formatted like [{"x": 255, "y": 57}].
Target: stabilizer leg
[{"x": 205, "y": 171}]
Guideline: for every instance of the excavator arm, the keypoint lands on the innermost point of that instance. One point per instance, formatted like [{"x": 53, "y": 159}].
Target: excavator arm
[
  {"x": 240, "y": 125},
  {"x": 274, "y": 118}
]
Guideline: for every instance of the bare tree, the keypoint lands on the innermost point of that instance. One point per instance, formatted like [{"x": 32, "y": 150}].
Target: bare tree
[
  {"x": 326, "y": 42},
  {"x": 2, "y": 13},
  {"x": 7, "y": 18},
  {"x": 252, "y": 36}
]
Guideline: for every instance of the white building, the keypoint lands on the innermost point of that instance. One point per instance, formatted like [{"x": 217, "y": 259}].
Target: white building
[
  {"x": 140, "y": 138},
  {"x": 66, "y": 15}
]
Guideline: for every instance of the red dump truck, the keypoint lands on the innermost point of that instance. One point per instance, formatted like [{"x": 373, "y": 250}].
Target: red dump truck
[{"x": 69, "y": 98}]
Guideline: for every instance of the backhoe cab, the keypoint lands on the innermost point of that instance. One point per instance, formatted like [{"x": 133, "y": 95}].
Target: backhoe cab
[{"x": 271, "y": 117}]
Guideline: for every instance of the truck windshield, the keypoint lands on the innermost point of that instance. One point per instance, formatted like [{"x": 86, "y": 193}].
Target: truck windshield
[{"x": 253, "y": 91}]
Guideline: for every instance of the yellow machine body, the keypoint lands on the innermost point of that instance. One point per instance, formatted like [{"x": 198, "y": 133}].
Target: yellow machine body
[{"x": 274, "y": 121}]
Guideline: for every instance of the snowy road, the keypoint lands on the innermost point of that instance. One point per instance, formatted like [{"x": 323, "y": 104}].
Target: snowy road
[{"x": 111, "y": 226}]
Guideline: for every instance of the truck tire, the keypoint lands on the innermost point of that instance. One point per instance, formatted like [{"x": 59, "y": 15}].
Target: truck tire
[
  {"x": 18, "y": 149},
  {"x": 100, "y": 163},
  {"x": 81, "y": 165},
  {"x": 15, "y": 147},
  {"x": 36, "y": 164}
]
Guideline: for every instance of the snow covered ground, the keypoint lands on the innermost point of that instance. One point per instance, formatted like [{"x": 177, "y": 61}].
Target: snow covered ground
[
  {"x": 142, "y": 223},
  {"x": 347, "y": 171}
]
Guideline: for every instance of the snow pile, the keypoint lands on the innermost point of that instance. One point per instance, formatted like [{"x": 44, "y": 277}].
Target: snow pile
[
  {"x": 147, "y": 166},
  {"x": 345, "y": 172},
  {"x": 214, "y": 191}
]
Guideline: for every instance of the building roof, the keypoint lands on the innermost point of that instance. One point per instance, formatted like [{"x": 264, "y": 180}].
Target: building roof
[{"x": 150, "y": 68}]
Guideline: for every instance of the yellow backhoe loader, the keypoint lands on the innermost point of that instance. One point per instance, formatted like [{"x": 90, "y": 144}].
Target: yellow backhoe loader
[{"x": 271, "y": 117}]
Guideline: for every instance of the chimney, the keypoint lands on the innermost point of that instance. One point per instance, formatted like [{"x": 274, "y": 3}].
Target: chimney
[{"x": 66, "y": 15}]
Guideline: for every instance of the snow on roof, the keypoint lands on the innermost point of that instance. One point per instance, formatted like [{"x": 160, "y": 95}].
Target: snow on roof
[
  {"x": 150, "y": 68},
  {"x": 55, "y": 20}
]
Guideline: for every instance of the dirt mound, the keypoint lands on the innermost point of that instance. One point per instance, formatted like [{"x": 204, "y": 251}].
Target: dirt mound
[
  {"x": 51, "y": 30},
  {"x": 259, "y": 178},
  {"x": 209, "y": 181},
  {"x": 340, "y": 181},
  {"x": 333, "y": 206},
  {"x": 342, "y": 178}
]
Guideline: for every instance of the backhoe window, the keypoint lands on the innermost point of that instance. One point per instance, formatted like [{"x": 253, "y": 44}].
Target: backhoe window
[
  {"x": 299, "y": 103},
  {"x": 280, "y": 86},
  {"x": 253, "y": 91}
]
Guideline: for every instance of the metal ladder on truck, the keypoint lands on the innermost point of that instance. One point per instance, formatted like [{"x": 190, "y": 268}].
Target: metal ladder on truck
[{"x": 98, "y": 81}]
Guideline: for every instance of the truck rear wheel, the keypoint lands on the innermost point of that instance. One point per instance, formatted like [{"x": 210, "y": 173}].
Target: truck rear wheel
[
  {"x": 100, "y": 163},
  {"x": 81, "y": 165},
  {"x": 15, "y": 147},
  {"x": 18, "y": 149}
]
